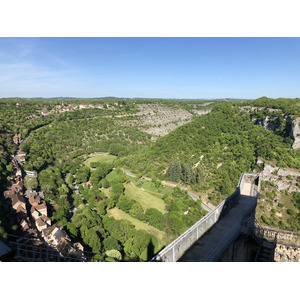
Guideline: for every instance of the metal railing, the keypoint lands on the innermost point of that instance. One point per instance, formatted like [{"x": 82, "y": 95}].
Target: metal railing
[
  {"x": 29, "y": 249},
  {"x": 175, "y": 250},
  {"x": 230, "y": 236}
]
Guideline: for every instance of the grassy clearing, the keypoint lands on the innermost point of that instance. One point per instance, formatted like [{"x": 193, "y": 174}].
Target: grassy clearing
[
  {"x": 144, "y": 198},
  {"x": 100, "y": 157},
  {"x": 118, "y": 214},
  {"x": 149, "y": 186},
  {"x": 105, "y": 191},
  {"x": 112, "y": 175}
]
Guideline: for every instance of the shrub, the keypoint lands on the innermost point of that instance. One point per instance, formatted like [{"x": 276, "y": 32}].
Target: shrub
[
  {"x": 291, "y": 212},
  {"x": 155, "y": 218},
  {"x": 113, "y": 254},
  {"x": 111, "y": 243},
  {"x": 136, "y": 210},
  {"x": 105, "y": 183},
  {"x": 266, "y": 219},
  {"x": 94, "y": 164},
  {"x": 125, "y": 203}
]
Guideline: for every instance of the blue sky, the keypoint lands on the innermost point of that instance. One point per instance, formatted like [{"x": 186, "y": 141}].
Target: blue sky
[{"x": 150, "y": 67}]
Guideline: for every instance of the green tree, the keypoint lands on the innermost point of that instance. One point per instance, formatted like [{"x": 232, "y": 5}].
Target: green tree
[
  {"x": 155, "y": 218},
  {"x": 125, "y": 203},
  {"x": 105, "y": 183},
  {"x": 83, "y": 174},
  {"x": 114, "y": 254},
  {"x": 111, "y": 243},
  {"x": 31, "y": 182},
  {"x": 72, "y": 229},
  {"x": 137, "y": 211},
  {"x": 118, "y": 149}
]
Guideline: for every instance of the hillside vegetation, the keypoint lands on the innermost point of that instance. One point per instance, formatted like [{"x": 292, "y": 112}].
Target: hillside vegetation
[
  {"x": 80, "y": 154},
  {"x": 213, "y": 150}
]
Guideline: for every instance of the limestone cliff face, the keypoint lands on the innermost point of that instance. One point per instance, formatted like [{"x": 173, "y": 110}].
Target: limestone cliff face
[
  {"x": 268, "y": 123},
  {"x": 273, "y": 124},
  {"x": 295, "y": 133}
]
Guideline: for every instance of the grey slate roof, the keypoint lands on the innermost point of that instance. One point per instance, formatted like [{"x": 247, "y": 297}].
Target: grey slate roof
[{"x": 60, "y": 234}]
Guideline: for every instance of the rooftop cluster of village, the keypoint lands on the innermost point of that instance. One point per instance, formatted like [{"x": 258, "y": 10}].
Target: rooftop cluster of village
[
  {"x": 29, "y": 210},
  {"x": 72, "y": 107}
]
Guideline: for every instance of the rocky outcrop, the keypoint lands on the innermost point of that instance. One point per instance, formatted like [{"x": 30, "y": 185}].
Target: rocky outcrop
[
  {"x": 269, "y": 123},
  {"x": 279, "y": 177},
  {"x": 295, "y": 133},
  {"x": 274, "y": 124}
]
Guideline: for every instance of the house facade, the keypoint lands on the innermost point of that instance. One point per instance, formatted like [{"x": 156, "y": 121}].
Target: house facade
[
  {"x": 18, "y": 200},
  {"x": 40, "y": 224}
]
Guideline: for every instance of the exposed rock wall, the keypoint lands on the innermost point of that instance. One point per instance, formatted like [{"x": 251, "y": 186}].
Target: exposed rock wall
[
  {"x": 278, "y": 176},
  {"x": 268, "y": 123},
  {"x": 295, "y": 133},
  {"x": 271, "y": 124}
]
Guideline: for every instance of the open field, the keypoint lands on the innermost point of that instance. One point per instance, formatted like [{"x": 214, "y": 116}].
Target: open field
[
  {"x": 118, "y": 214},
  {"x": 100, "y": 157},
  {"x": 144, "y": 198},
  {"x": 105, "y": 191},
  {"x": 149, "y": 186},
  {"x": 112, "y": 175}
]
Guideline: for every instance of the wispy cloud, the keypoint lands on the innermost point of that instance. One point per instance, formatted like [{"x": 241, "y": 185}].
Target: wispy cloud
[{"x": 23, "y": 67}]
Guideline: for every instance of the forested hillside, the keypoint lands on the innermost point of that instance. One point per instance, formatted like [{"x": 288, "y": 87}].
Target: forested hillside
[
  {"x": 80, "y": 153},
  {"x": 99, "y": 207},
  {"x": 214, "y": 149}
]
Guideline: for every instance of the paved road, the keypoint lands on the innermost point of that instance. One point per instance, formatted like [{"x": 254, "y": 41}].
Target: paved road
[
  {"x": 194, "y": 197},
  {"x": 129, "y": 174}
]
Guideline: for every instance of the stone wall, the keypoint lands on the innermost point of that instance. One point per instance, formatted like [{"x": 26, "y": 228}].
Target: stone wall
[
  {"x": 285, "y": 252},
  {"x": 288, "y": 244},
  {"x": 282, "y": 235}
]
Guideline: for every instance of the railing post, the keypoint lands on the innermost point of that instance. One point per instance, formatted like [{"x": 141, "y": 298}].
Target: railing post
[{"x": 174, "y": 253}]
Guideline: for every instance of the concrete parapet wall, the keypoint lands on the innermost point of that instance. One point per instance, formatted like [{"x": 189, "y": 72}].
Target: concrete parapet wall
[
  {"x": 283, "y": 236},
  {"x": 176, "y": 249}
]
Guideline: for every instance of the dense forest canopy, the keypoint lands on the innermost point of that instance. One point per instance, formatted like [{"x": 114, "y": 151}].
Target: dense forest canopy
[{"x": 226, "y": 136}]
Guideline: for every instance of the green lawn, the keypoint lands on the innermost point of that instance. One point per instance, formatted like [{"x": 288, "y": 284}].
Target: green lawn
[
  {"x": 146, "y": 199},
  {"x": 150, "y": 188},
  {"x": 119, "y": 214},
  {"x": 105, "y": 191},
  {"x": 112, "y": 175},
  {"x": 100, "y": 157}
]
